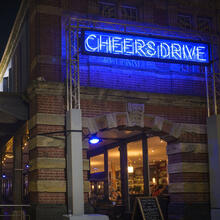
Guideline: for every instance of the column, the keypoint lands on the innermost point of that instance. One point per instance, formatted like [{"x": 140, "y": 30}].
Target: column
[
  {"x": 214, "y": 164},
  {"x": 47, "y": 174},
  {"x": 188, "y": 178},
  {"x": 124, "y": 176},
  {"x": 17, "y": 182}
]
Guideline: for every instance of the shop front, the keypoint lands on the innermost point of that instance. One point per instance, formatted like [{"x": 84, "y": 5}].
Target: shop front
[{"x": 130, "y": 167}]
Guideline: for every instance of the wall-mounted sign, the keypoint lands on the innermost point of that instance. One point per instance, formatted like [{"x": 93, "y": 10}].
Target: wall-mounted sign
[{"x": 141, "y": 47}]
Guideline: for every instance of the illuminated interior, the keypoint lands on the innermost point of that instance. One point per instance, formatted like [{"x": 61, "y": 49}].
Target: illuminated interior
[{"x": 157, "y": 157}]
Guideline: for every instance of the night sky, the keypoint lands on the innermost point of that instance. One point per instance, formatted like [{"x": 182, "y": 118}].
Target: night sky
[{"x": 8, "y": 11}]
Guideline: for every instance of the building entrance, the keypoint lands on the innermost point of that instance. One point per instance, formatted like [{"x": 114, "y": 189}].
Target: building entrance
[{"x": 130, "y": 167}]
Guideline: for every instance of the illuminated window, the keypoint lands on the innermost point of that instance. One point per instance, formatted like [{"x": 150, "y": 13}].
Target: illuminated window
[
  {"x": 184, "y": 21},
  {"x": 128, "y": 13},
  {"x": 97, "y": 164},
  {"x": 108, "y": 10},
  {"x": 157, "y": 157},
  {"x": 135, "y": 167},
  {"x": 204, "y": 24},
  {"x": 114, "y": 177}
]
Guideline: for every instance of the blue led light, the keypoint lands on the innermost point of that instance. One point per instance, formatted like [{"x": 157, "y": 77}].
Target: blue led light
[
  {"x": 3, "y": 176},
  {"x": 94, "y": 140},
  {"x": 141, "y": 47},
  {"x": 27, "y": 166}
]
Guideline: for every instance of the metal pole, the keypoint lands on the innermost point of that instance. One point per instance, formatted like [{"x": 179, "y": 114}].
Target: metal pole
[
  {"x": 207, "y": 91},
  {"x": 214, "y": 88},
  {"x": 145, "y": 165},
  {"x": 70, "y": 69},
  {"x": 67, "y": 68},
  {"x": 77, "y": 57}
]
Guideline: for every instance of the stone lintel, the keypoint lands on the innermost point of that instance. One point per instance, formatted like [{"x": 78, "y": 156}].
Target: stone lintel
[
  {"x": 46, "y": 119},
  {"x": 188, "y": 187},
  {"x": 185, "y": 167},
  {"x": 52, "y": 186},
  {"x": 42, "y": 162},
  {"x": 176, "y": 148},
  {"x": 47, "y": 186},
  {"x": 53, "y": 163},
  {"x": 46, "y": 88},
  {"x": 43, "y": 141}
]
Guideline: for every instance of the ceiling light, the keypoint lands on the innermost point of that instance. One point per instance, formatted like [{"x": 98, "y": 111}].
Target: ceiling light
[
  {"x": 130, "y": 169},
  {"x": 94, "y": 140}
]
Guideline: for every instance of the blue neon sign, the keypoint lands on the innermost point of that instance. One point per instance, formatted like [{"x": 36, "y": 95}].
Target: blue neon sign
[{"x": 141, "y": 47}]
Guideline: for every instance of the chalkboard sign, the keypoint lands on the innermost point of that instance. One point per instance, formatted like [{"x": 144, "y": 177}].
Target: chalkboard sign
[{"x": 147, "y": 208}]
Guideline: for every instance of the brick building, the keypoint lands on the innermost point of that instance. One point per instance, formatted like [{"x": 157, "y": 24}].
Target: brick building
[{"x": 154, "y": 108}]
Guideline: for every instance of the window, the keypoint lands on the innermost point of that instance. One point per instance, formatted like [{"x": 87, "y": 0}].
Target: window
[
  {"x": 114, "y": 177},
  {"x": 204, "y": 24},
  {"x": 128, "y": 13},
  {"x": 184, "y": 21},
  {"x": 97, "y": 164},
  {"x": 157, "y": 157},
  {"x": 108, "y": 10},
  {"x": 93, "y": 6},
  {"x": 135, "y": 167}
]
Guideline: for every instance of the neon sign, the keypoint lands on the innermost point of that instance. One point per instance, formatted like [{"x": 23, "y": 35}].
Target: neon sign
[{"x": 141, "y": 47}]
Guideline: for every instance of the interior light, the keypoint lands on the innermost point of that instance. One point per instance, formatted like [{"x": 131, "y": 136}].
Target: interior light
[
  {"x": 154, "y": 180},
  {"x": 99, "y": 186},
  {"x": 130, "y": 169},
  {"x": 94, "y": 140},
  {"x": 152, "y": 151},
  {"x": 93, "y": 186},
  {"x": 9, "y": 156}
]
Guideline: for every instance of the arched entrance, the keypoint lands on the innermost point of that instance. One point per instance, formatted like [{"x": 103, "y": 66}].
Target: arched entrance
[
  {"x": 186, "y": 150},
  {"x": 131, "y": 160}
]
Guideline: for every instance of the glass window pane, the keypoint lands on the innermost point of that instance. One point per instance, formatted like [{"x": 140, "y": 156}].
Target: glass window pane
[
  {"x": 157, "y": 156},
  {"x": 128, "y": 13},
  {"x": 96, "y": 191},
  {"x": 135, "y": 167},
  {"x": 107, "y": 10},
  {"x": 184, "y": 21},
  {"x": 114, "y": 176},
  {"x": 204, "y": 24},
  {"x": 97, "y": 164}
]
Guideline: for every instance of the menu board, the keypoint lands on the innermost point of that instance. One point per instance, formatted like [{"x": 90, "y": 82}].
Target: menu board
[{"x": 147, "y": 208}]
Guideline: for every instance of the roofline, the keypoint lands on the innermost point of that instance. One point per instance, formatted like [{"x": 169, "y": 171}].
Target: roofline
[{"x": 13, "y": 37}]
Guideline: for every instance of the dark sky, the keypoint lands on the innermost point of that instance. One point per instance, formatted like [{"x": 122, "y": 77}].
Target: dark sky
[{"x": 8, "y": 11}]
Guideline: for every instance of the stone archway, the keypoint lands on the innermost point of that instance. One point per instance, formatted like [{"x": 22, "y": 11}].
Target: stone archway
[{"x": 187, "y": 158}]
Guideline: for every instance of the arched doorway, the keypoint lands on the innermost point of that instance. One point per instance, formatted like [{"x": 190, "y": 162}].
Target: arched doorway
[
  {"x": 131, "y": 165},
  {"x": 182, "y": 144}
]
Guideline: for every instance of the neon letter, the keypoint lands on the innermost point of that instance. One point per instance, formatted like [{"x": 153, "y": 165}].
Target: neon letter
[
  {"x": 117, "y": 46},
  {"x": 176, "y": 51},
  {"x": 105, "y": 42},
  {"x": 164, "y": 50},
  {"x": 139, "y": 45},
  {"x": 200, "y": 52},
  {"x": 188, "y": 53},
  {"x": 92, "y": 43},
  {"x": 128, "y": 46},
  {"x": 151, "y": 48}
]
